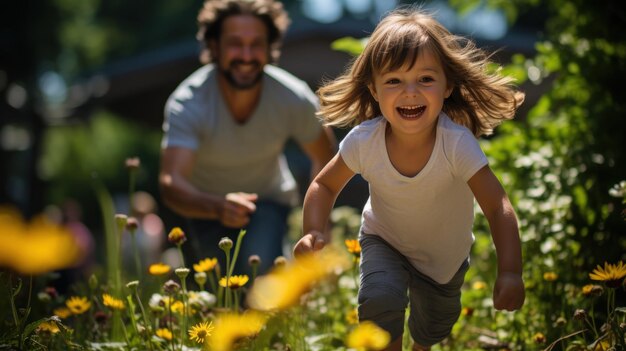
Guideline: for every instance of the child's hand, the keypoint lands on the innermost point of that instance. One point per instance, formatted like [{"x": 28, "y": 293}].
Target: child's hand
[
  {"x": 313, "y": 241},
  {"x": 508, "y": 293}
]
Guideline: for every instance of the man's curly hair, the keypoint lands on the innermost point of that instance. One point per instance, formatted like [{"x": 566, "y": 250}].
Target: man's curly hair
[{"x": 214, "y": 12}]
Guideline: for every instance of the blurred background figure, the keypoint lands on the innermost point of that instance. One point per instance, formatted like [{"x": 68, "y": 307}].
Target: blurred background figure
[
  {"x": 149, "y": 236},
  {"x": 72, "y": 214},
  {"x": 69, "y": 214},
  {"x": 226, "y": 127}
]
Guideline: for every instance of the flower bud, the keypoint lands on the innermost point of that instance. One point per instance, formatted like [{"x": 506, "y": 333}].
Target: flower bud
[
  {"x": 182, "y": 273},
  {"x": 200, "y": 278},
  {"x": 280, "y": 261},
  {"x": 51, "y": 291},
  {"x": 254, "y": 260},
  {"x": 225, "y": 244},
  {"x": 132, "y": 224},
  {"x": 580, "y": 314},
  {"x": 93, "y": 282},
  {"x": 597, "y": 290},
  {"x": 561, "y": 321},
  {"x": 133, "y": 284},
  {"x": 171, "y": 287},
  {"x": 120, "y": 220},
  {"x": 132, "y": 163},
  {"x": 43, "y": 297}
]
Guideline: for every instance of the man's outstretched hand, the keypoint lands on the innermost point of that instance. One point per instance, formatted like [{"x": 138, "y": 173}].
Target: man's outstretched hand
[{"x": 237, "y": 208}]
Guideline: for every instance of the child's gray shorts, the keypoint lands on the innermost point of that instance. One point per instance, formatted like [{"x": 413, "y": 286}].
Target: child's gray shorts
[{"x": 386, "y": 276}]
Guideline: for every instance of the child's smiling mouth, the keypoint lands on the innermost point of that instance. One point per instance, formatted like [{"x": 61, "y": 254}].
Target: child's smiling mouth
[{"x": 411, "y": 111}]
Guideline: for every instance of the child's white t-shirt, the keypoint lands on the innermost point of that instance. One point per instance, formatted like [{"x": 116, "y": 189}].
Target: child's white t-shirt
[{"x": 428, "y": 218}]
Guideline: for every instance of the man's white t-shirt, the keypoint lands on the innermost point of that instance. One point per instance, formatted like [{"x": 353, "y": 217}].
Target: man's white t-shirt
[
  {"x": 247, "y": 157},
  {"x": 429, "y": 217}
]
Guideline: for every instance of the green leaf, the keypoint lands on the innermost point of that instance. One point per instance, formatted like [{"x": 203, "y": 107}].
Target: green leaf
[
  {"x": 464, "y": 6},
  {"x": 541, "y": 108},
  {"x": 516, "y": 71},
  {"x": 32, "y": 326},
  {"x": 349, "y": 45},
  {"x": 18, "y": 288}
]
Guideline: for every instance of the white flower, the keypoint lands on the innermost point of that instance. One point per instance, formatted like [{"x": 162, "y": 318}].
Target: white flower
[
  {"x": 201, "y": 299},
  {"x": 618, "y": 190},
  {"x": 156, "y": 302},
  {"x": 346, "y": 282}
]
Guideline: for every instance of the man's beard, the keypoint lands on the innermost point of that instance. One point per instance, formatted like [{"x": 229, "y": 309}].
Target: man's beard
[{"x": 230, "y": 77}]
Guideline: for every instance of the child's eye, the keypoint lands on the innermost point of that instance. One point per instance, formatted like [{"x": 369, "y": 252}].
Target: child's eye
[
  {"x": 427, "y": 79},
  {"x": 392, "y": 81}
]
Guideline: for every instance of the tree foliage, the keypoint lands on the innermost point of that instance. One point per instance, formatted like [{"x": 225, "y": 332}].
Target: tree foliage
[
  {"x": 569, "y": 151},
  {"x": 84, "y": 35},
  {"x": 560, "y": 161}
]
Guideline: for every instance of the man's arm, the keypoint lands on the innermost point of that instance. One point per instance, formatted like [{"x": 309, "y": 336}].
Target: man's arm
[
  {"x": 182, "y": 197},
  {"x": 321, "y": 150}
]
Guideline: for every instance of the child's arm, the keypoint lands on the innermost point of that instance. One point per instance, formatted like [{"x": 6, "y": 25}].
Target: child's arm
[
  {"x": 318, "y": 202},
  {"x": 508, "y": 293}
]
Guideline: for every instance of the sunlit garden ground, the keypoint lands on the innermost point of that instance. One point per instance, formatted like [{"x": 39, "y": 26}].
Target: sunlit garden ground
[{"x": 304, "y": 304}]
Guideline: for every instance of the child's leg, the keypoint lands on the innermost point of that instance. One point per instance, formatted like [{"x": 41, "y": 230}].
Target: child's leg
[
  {"x": 435, "y": 308},
  {"x": 395, "y": 345},
  {"x": 417, "y": 347},
  {"x": 384, "y": 283}
]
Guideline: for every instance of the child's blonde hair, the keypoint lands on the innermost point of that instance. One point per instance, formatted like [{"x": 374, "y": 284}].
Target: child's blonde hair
[{"x": 481, "y": 97}]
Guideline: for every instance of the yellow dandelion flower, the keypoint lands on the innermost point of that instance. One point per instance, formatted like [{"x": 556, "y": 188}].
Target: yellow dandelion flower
[
  {"x": 164, "y": 334},
  {"x": 611, "y": 274},
  {"x": 201, "y": 332},
  {"x": 48, "y": 327},
  {"x": 178, "y": 307},
  {"x": 586, "y": 290},
  {"x": 176, "y": 236},
  {"x": 235, "y": 282},
  {"x": 479, "y": 285},
  {"x": 368, "y": 336},
  {"x": 467, "y": 311},
  {"x": 206, "y": 265},
  {"x": 283, "y": 286},
  {"x": 231, "y": 328},
  {"x": 602, "y": 345},
  {"x": 159, "y": 269},
  {"x": 78, "y": 304},
  {"x": 592, "y": 290},
  {"x": 353, "y": 246},
  {"x": 550, "y": 276},
  {"x": 50, "y": 246},
  {"x": 112, "y": 303},
  {"x": 62, "y": 312},
  {"x": 352, "y": 317}
]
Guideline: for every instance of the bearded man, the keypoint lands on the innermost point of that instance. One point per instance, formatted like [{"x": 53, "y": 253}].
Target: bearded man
[{"x": 225, "y": 129}]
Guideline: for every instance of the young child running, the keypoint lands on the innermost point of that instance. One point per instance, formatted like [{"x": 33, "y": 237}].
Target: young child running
[{"x": 418, "y": 97}]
